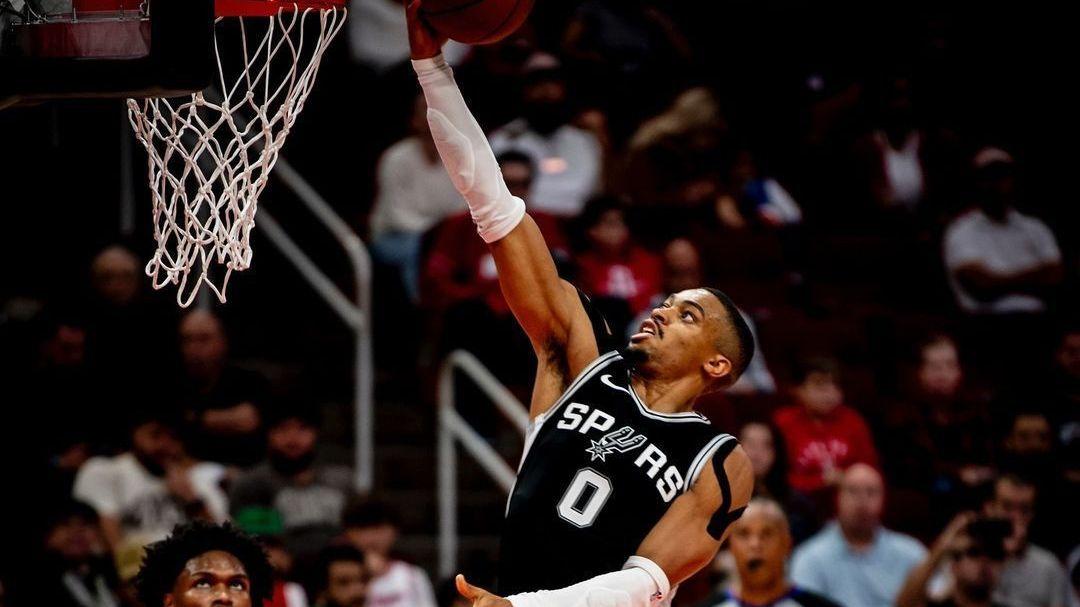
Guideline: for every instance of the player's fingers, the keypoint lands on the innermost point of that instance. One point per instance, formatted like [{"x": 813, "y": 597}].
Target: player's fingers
[{"x": 466, "y": 589}]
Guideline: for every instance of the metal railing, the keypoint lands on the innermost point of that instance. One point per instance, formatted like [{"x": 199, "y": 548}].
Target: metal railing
[
  {"x": 452, "y": 429},
  {"x": 356, "y": 312}
]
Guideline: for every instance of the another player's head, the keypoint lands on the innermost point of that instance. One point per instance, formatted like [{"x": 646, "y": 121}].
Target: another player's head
[
  {"x": 205, "y": 565},
  {"x": 761, "y": 542},
  {"x": 697, "y": 333},
  {"x": 341, "y": 577},
  {"x": 817, "y": 385}
]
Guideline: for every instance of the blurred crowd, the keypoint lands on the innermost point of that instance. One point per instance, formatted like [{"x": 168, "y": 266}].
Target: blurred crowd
[{"x": 912, "y": 413}]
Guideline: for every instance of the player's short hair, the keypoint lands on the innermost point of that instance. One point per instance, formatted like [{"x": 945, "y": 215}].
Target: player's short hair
[
  {"x": 743, "y": 337},
  {"x": 165, "y": 560}
]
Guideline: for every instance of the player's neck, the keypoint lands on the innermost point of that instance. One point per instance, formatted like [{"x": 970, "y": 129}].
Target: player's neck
[
  {"x": 766, "y": 594},
  {"x": 667, "y": 396}
]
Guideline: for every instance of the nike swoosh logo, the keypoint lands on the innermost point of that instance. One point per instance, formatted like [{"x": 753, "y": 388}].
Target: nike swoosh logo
[{"x": 606, "y": 380}]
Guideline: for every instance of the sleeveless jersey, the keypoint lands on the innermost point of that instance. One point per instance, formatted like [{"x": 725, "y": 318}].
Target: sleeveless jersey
[{"x": 599, "y": 471}]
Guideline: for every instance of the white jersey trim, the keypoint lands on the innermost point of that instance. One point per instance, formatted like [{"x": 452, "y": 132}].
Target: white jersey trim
[
  {"x": 685, "y": 416},
  {"x": 703, "y": 456},
  {"x": 533, "y": 429}
]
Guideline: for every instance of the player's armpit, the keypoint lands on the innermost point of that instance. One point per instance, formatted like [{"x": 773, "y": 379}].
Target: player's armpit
[{"x": 689, "y": 534}]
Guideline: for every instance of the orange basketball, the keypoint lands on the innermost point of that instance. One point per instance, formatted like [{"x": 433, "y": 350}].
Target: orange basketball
[{"x": 476, "y": 21}]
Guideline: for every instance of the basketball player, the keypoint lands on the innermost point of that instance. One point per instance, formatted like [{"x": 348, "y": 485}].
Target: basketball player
[
  {"x": 204, "y": 565},
  {"x": 622, "y": 484}
]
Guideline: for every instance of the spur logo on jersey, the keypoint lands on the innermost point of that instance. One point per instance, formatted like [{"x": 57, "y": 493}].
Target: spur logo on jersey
[
  {"x": 622, "y": 440},
  {"x": 583, "y": 419}
]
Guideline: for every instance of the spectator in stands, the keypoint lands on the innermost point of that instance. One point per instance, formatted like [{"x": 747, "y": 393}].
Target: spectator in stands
[
  {"x": 893, "y": 153},
  {"x": 144, "y": 492},
  {"x": 77, "y": 569},
  {"x": 286, "y": 593},
  {"x": 341, "y": 578},
  {"x": 461, "y": 284},
  {"x": 855, "y": 560},
  {"x": 127, "y": 337},
  {"x": 938, "y": 437},
  {"x": 622, "y": 49},
  {"x": 756, "y": 198},
  {"x": 673, "y": 147},
  {"x": 220, "y": 401},
  {"x": 308, "y": 496},
  {"x": 823, "y": 436},
  {"x": 569, "y": 159},
  {"x": 975, "y": 552},
  {"x": 621, "y": 276},
  {"x": 371, "y": 527},
  {"x": 413, "y": 194},
  {"x": 760, "y": 542},
  {"x": 57, "y": 390},
  {"x": 1032, "y": 576},
  {"x": 460, "y": 268},
  {"x": 999, "y": 260},
  {"x": 1064, "y": 399}
]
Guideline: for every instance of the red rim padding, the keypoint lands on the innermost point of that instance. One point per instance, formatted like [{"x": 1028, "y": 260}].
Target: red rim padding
[{"x": 268, "y": 8}]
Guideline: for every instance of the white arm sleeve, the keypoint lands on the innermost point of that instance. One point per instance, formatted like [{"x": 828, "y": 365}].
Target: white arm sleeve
[
  {"x": 641, "y": 583},
  {"x": 465, "y": 152}
]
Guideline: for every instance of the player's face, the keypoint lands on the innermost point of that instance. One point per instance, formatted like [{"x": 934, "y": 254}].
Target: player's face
[
  {"x": 212, "y": 579},
  {"x": 760, "y": 544},
  {"x": 346, "y": 585},
  {"x": 679, "y": 338}
]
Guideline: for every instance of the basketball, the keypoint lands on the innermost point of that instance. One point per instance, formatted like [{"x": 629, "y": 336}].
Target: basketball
[{"x": 476, "y": 21}]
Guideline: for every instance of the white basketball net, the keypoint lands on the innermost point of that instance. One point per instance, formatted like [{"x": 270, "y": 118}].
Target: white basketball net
[{"x": 209, "y": 161}]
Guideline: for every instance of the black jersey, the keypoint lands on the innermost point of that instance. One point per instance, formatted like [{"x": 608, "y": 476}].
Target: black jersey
[{"x": 599, "y": 471}]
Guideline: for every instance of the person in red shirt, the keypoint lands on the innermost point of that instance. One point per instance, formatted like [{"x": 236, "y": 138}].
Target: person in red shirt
[
  {"x": 823, "y": 436},
  {"x": 612, "y": 266}
]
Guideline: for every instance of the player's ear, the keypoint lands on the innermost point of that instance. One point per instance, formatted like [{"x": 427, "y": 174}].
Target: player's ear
[
  {"x": 169, "y": 601},
  {"x": 718, "y": 367}
]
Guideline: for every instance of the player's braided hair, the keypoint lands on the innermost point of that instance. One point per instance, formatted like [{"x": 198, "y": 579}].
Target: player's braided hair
[{"x": 165, "y": 560}]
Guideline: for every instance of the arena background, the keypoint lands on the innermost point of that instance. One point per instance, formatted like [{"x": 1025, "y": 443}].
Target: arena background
[{"x": 797, "y": 89}]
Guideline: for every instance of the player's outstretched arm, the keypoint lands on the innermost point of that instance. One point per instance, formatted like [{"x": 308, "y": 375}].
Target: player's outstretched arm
[
  {"x": 682, "y": 542},
  {"x": 547, "y": 308}
]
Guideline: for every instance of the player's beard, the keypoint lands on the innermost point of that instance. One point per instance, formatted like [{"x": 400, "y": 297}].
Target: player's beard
[
  {"x": 291, "y": 466},
  {"x": 635, "y": 357}
]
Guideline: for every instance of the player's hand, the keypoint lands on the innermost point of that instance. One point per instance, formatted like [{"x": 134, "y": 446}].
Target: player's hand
[
  {"x": 424, "y": 41},
  {"x": 479, "y": 596}
]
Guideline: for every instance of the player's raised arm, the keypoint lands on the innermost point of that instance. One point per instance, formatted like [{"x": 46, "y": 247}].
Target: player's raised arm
[
  {"x": 546, "y": 307},
  {"x": 682, "y": 542}
]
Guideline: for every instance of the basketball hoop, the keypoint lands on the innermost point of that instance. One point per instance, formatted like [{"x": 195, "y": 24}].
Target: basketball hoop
[{"x": 210, "y": 154}]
